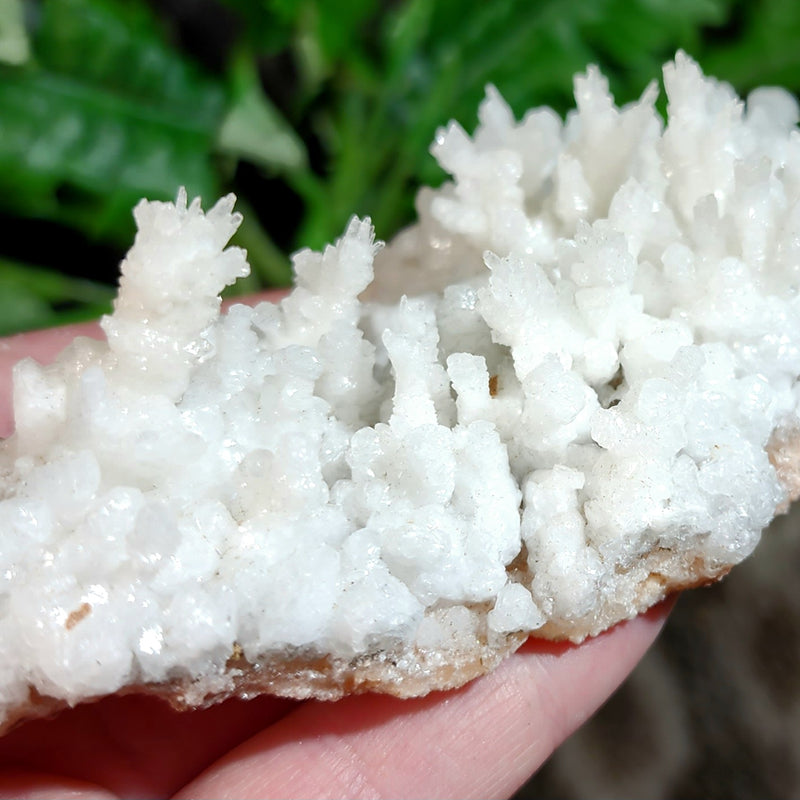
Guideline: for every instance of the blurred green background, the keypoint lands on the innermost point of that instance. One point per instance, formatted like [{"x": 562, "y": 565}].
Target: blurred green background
[{"x": 309, "y": 111}]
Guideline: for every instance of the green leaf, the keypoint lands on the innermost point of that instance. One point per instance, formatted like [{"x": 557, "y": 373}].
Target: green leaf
[
  {"x": 763, "y": 51},
  {"x": 340, "y": 26},
  {"x": 253, "y": 129},
  {"x": 106, "y": 114},
  {"x": 14, "y": 46},
  {"x": 403, "y": 33},
  {"x": 267, "y": 25},
  {"x": 120, "y": 47},
  {"x": 83, "y": 156},
  {"x": 32, "y": 297}
]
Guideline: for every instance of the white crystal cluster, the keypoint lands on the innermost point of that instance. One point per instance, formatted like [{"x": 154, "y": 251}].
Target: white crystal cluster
[{"x": 600, "y": 336}]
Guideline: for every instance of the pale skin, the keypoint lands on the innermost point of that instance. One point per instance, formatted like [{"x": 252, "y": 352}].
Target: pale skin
[{"x": 483, "y": 740}]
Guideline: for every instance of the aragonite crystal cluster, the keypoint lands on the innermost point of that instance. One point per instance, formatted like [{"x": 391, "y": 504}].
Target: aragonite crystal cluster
[{"x": 570, "y": 388}]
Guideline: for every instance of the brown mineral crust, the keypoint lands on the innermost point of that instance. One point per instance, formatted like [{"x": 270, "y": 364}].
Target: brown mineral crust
[
  {"x": 402, "y": 674},
  {"x": 784, "y": 454},
  {"x": 663, "y": 574}
]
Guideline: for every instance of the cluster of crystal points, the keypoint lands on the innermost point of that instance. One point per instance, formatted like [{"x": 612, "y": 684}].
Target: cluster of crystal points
[{"x": 602, "y": 334}]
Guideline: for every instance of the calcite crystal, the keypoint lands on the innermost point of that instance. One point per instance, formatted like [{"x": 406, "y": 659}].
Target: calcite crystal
[{"x": 561, "y": 394}]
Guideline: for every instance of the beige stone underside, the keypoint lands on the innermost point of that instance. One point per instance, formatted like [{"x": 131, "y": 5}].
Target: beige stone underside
[{"x": 414, "y": 672}]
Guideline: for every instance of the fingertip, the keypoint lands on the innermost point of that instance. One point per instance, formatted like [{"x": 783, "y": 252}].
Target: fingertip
[
  {"x": 21, "y": 785},
  {"x": 484, "y": 739}
]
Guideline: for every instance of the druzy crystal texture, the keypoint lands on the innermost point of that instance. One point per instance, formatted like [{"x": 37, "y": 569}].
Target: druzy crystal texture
[{"x": 569, "y": 388}]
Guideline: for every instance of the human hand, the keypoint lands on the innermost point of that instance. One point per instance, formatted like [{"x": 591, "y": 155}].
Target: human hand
[{"x": 479, "y": 741}]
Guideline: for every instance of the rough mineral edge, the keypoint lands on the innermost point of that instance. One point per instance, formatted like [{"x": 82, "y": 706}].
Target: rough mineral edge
[
  {"x": 402, "y": 674},
  {"x": 588, "y": 401}
]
